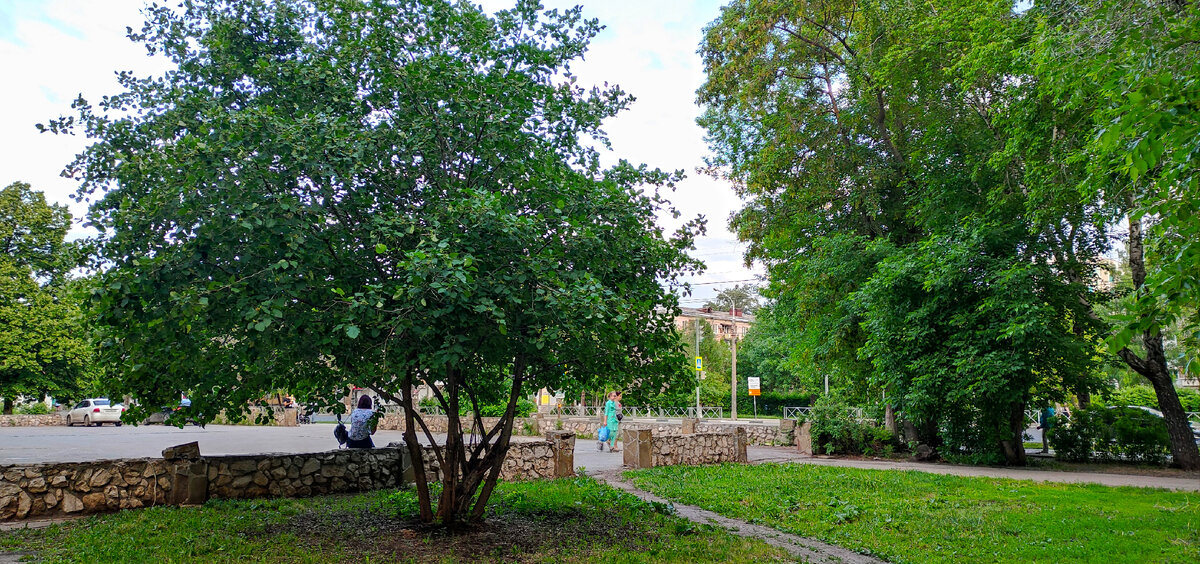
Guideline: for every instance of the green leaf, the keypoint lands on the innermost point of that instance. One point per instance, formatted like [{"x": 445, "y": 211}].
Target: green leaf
[{"x": 352, "y": 331}]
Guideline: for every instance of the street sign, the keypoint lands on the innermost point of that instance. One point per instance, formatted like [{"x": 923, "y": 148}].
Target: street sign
[
  {"x": 699, "y": 364},
  {"x": 753, "y": 385}
]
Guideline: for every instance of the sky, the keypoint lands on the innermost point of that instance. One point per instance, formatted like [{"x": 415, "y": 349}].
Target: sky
[{"x": 51, "y": 51}]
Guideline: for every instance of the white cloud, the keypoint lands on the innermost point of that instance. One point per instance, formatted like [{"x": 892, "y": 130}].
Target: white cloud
[{"x": 51, "y": 51}]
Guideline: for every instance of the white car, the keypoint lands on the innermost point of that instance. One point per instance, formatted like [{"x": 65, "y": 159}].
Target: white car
[{"x": 95, "y": 411}]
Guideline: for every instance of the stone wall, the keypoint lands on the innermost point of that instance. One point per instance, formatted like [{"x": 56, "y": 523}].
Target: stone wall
[
  {"x": 33, "y": 420},
  {"x": 185, "y": 477},
  {"x": 769, "y": 432},
  {"x": 83, "y": 487},
  {"x": 302, "y": 475},
  {"x": 645, "y": 450}
]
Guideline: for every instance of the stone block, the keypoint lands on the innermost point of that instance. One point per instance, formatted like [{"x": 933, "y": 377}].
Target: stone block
[
  {"x": 243, "y": 466},
  {"x": 95, "y": 501},
  {"x": 100, "y": 478},
  {"x": 804, "y": 442},
  {"x": 186, "y": 451},
  {"x": 688, "y": 427},
  {"x": 310, "y": 466}
]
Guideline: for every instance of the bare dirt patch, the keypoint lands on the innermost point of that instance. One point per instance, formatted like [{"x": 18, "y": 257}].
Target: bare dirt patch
[{"x": 524, "y": 537}]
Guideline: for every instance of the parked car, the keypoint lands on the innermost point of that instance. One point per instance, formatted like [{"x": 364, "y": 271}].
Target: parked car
[
  {"x": 95, "y": 411},
  {"x": 1195, "y": 426}
]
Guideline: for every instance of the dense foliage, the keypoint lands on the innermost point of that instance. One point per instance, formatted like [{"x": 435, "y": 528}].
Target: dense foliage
[
  {"x": 932, "y": 192},
  {"x": 1108, "y": 434},
  {"x": 382, "y": 194},
  {"x": 44, "y": 348},
  {"x": 837, "y": 430}
]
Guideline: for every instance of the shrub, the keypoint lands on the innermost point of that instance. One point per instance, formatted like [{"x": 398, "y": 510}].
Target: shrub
[
  {"x": 1103, "y": 434},
  {"x": 1189, "y": 398},
  {"x": 1144, "y": 395},
  {"x": 771, "y": 403},
  {"x": 1073, "y": 441},
  {"x": 37, "y": 408},
  {"x": 836, "y": 431},
  {"x": 524, "y": 407}
]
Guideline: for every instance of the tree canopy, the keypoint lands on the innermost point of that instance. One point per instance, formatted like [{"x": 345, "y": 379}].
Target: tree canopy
[
  {"x": 43, "y": 347},
  {"x": 320, "y": 194},
  {"x": 743, "y": 297},
  {"x": 932, "y": 191}
]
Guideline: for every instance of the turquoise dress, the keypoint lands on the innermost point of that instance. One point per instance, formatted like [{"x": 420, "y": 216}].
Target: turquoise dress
[{"x": 610, "y": 415}]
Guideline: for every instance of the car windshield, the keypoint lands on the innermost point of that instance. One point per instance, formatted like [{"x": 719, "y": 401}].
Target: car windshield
[{"x": 100, "y": 402}]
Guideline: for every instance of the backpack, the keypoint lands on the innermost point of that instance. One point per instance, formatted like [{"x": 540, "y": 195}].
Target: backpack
[{"x": 340, "y": 433}]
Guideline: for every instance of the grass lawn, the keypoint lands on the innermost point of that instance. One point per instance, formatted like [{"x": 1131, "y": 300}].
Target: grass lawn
[
  {"x": 568, "y": 520},
  {"x": 921, "y": 517}
]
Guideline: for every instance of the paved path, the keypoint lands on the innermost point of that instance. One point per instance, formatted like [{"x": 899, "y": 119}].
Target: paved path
[
  {"x": 783, "y": 454},
  {"x": 802, "y": 548}
]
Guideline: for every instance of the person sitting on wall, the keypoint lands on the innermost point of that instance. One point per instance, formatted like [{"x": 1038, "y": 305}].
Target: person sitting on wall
[{"x": 362, "y": 424}]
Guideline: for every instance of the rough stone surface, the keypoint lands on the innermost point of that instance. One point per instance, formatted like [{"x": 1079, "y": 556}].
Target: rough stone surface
[
  {"x": 39, "y": 490},
  {"x": 766, "y": 432},
  {"x": 804, "y": 438},
  {"x": 49, "y": 420},
  {"x": 924, "y": 452},
  {"x": 186, "y": 451},
  {"x": 643, "y": 449}
]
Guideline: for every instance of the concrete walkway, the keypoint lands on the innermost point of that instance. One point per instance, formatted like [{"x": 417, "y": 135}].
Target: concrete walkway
[{"x": 803, "y": 549}]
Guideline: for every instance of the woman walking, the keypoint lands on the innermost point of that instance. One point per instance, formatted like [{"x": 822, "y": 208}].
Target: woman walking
[{"x": 612, "y": 419}]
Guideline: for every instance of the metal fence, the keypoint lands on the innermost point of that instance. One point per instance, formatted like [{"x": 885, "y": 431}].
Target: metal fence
[
  {"x": 641, "y": 411},
  {"x": 802, "y": 412}
]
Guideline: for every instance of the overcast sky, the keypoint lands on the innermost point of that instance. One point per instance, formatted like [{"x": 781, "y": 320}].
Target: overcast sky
[{"x": 53, "y": 50}]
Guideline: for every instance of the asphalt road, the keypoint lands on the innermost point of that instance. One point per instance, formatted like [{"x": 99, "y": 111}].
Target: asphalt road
[
  {"x": 24, "y": 445},
  {"x": 77, "y": 444}
]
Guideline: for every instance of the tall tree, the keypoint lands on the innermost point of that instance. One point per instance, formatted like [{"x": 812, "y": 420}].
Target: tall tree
[
  {"x": 1129, "y": 70},
  {"x": 743, "y": 297},
  {"x": 43, "y": 349},
  {"x": 378, "y": 193},
  {"x": 866, "y": 138}
]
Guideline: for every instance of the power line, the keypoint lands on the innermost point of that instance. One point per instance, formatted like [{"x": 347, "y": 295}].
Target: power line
[{"x": 723, "y": 282}]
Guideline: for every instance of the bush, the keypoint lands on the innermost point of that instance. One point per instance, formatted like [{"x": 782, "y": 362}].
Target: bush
[
  {"x": 836, "y": 431},
  {"x": 1144, "y": 395},
  {"x": 1073, "y": 441},
  {"x": 1118, "y": 433},
  {"x": 524, "y": 407},
  {"x": 772, "y": 403},
  {"x": 37, "y": 408}
]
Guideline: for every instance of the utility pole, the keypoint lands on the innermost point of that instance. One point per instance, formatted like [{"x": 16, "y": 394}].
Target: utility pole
[
  {"x": 697, "y": 372},
  {"x": 733, "y": 373},
  {"x": 733, "y": 378}
]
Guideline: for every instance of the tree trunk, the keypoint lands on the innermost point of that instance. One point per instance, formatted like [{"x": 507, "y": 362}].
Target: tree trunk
[
  {"x": 1154, "y": 367},
  {"x": 415, "y": 452},
  {"x": 8, "y": 406},
  {"x": 1014, "y": 447}
]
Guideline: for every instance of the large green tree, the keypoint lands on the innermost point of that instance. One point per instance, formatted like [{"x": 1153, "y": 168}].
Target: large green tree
[
  {"x": 1127, "y": 73},
  {"x": 867, "y": 139},
  {"x": 43, "y": 349},
  {"x": 378, "y": 193}
]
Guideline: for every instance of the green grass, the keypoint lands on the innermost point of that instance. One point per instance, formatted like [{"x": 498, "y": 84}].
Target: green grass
[
  {"x": 922, "y": 517},
  {"x": 568, "y": 520}
]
